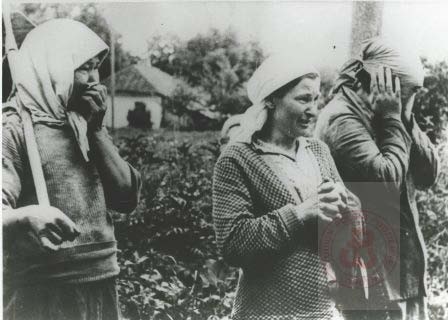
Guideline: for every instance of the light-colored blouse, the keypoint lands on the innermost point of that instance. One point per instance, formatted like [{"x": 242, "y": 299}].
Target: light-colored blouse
[{"x": 300, "y": 174}]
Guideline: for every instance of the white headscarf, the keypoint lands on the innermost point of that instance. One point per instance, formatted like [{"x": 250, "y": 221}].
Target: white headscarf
[
  {"x": 49, "y": 55},
  {"x": 275, "y": 72}
]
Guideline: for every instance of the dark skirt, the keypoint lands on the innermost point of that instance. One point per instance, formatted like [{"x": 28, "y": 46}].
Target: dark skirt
[{"x": 86, "y": 301}]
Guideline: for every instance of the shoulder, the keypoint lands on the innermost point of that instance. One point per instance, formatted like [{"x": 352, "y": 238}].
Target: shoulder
[
  {"x": 331, "y": 114},
  {"x": 319, "y": 148},
  {"x": 237, "y": 151},
  {"x": 338, "y": 107},
  {"x": 316, "y": 144},
  {"x": 236, "y": 157}
]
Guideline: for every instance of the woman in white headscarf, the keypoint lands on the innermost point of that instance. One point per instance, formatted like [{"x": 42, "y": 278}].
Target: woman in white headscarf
[
  {"x": 272, "y": 186},
  {"x": 61, "y": 259}
]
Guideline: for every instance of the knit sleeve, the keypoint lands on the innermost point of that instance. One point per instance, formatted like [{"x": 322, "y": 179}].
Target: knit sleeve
[
  {"x": 325, "y": 157},
  {"x": 13, "y": 159},
  {"x": 243, "y": 237},
  {"x": 328, "y": 166},
  {"x": 124, "y": 202}
]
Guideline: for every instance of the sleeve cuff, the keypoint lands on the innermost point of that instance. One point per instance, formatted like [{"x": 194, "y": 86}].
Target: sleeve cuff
[{"x": 290, "y": 219}]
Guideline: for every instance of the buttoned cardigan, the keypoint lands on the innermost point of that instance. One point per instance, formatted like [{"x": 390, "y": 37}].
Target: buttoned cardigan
[{"x": 257, "y": 230}]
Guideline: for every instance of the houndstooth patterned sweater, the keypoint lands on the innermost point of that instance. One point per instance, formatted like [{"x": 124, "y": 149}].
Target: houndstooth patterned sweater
[{"x": 257, "y": 230}]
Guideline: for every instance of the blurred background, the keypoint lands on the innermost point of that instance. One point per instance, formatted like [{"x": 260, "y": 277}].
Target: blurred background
[{"x": 178, "y": 72}]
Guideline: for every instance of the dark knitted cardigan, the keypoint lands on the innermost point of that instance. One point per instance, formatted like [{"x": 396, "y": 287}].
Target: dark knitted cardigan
[{"x": 257, "y": 230}]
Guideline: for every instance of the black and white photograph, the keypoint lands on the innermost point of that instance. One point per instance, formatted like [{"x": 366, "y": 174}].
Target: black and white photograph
[{"x": 225, "y": 160}]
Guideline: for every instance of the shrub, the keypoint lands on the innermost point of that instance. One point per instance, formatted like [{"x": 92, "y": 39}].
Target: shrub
[
  {"x": 431, "y": 107},
  {"x": 433, "y": 208},
  {"x": 169, "y": 263}
]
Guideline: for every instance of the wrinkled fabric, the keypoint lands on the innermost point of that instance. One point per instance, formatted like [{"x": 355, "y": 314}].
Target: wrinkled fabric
[
  {"x": 403, "y": 61},
  {"x": 383, "y": 164},
  {"x": 275, "y": 72},
  {"x": 48, "y": 58},
  {"x": 87, "y": 301}
]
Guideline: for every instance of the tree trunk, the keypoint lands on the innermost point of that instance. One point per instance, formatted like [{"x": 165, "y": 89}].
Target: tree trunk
[{"x": 367, "y": 20}]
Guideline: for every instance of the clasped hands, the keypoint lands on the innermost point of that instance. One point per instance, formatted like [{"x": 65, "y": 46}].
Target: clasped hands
[{"x": 329, "y": 203}]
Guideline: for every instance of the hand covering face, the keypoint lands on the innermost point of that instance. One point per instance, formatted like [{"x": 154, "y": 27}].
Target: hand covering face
[
  {"x": 376, "y": 52},
  {"x": 49, "y": 56},
  {"x": 275, "y": 72}
]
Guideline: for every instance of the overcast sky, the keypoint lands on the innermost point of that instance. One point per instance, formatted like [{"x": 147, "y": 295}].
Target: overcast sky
[{"x": 318, "y": 28}]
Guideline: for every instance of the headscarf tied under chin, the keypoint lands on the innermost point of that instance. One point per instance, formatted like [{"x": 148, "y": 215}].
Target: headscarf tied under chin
[
  {"x": 49, "y": 56},
  {"x": 403, "y": 61},
  {"x": 275, "y": 72}
]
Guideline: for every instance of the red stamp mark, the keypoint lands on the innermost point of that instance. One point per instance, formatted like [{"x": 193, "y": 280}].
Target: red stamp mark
[{"x": 359, "y": 255}]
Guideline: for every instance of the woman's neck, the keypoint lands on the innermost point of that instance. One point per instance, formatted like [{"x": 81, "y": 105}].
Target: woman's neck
[{"x": 279, "y": 139}]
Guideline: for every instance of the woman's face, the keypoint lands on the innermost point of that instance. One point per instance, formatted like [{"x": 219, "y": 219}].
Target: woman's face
[
  {"x": 85, "y": 75},
  {"x": 295, "y": 113}
]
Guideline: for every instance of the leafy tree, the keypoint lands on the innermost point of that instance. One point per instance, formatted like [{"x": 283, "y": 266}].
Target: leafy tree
[
  {"x": 431, "y": 108},
  {"x": 162, "y": 51},
  {"x": 214, "y": 65}
]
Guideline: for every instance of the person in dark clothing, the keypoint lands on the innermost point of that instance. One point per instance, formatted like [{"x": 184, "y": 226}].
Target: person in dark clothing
[{"x": 383, "y": 156}]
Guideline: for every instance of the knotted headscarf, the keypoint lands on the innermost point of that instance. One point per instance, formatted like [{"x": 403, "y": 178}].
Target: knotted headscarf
[
  {"x": 403, "y": 61},
  {"x": 275, "y": 72},
  {"x": 49, "y": 56}
]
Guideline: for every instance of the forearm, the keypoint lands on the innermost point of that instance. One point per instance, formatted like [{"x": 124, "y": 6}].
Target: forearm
[
  {"x": 424, "y": 162},
  {"x": 250, "y": 240},
  {"x": 245, "y": 236},
  {"x": 394, "y": 144},
  {"x": 361, "y": 158},
  {"x": 116, "y": 174}
]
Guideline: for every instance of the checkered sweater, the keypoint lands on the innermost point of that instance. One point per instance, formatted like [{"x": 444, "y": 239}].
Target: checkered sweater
[{"x": 257, "y": 230}]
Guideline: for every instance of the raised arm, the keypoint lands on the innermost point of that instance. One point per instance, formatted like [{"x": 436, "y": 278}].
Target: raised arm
[
  {"x": 362, "y": 159},
  {"x": 379, "y": 155},
  {"x": 121, "y": 182}
]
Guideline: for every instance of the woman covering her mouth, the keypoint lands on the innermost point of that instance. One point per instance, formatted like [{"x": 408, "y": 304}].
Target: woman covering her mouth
[
  {"x": 61, "y": 259},
  {"x": 272, "y": 185}
]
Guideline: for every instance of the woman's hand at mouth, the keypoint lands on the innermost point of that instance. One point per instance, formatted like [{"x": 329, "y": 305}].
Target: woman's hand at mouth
[{"x": 92, "y": 106}]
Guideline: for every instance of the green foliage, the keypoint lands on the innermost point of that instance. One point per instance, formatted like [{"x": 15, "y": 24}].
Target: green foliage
[
  {"x": 169, "y": 263},
  {"x": 215, "y": 68},
  {"x": 170, "y": 266},
  {"x": 433, "y": 208},
  {"x": 431, "y": 111},
  {"x": 432, "y": 106}
]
